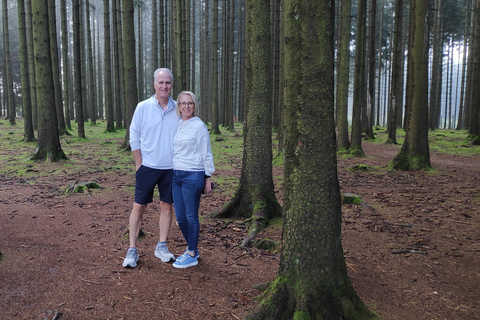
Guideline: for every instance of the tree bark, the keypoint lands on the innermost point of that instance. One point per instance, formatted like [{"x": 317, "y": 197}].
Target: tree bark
[
  {"x": 31, "y": 62},
  {"x": 26, "y": 97},
  {"x": 358, "y": 85},
  {"x": 48, "y": 141},
  {"x": 129, "y": 65},
  {"x": 57, "y": 85},
  {"x": 415, "y": 153},
  {"x": 474, "y": 130},
  {"x": 343, "y": 141},
  {"x": 108, "y": 67},
  {"x": 78, "y": 69},
  {"x": 65, "y": 64},
  {"x": 10, "y": 96},
  {"x": 312, "y": 281},
  {"x": 397, "y": 74},
  {"x": 255, "y": 196}
]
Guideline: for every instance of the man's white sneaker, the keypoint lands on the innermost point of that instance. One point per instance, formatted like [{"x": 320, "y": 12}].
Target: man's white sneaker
[
  {"x": 162, "y": 253},
  {"x": 131, "y": 259}
]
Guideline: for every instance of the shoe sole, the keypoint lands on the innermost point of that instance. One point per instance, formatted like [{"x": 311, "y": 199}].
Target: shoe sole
[
  {"x": 163, "y": 259},
  {"x": 185, "y": 265},
  {"x": 129, "y": 265}
]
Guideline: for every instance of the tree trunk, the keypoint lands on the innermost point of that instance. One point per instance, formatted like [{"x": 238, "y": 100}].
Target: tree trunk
[
  {"x": 255, "y": 196},
  {"x": 215, "y": 120},
  {"x": 26, "y": 97},
  {"x": 437, "y": 62},
  {"x": 108, "y": 67},
  {"x": 415, "y": 153},
  {"x": 358, "y": 85},
  {"x": 117, "y": 95},
  {"x": 78, "y": 69},
  {"x": 461, "y": 121},
  {"x": 141, "y": 55},
  {"x": 277, "y": 106},
  {"x": 312, "y": 281},
  {"x": 65, "y": 64},
  {"x": 397, "y": 75},
  {"x": 470, "y": 65},
  {"x": 48, "y": 142},
  {"x": 57, "y": 85},
  {"x": 154, "y": 45},
  {"x": 343, "y": 142},
  {"x": 91, "y": 80},
  {"x": 10, "y": 96},
  {"x": 31, "y": 64},
  {"x": 474, "y": 130},
  {"x": 205, "y": 78},
  {"x": 129, "y": 65},
  {"x": 371, "y": 72}
]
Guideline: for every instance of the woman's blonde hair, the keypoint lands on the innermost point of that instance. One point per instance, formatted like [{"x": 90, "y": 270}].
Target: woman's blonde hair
[{"x": 195, "y": 101}]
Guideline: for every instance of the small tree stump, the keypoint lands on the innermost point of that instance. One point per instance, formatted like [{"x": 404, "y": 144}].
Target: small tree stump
[{"x": 80, "y": 187}]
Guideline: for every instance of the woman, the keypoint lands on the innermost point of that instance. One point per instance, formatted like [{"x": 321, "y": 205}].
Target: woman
[{"x": 192, "y": 168}]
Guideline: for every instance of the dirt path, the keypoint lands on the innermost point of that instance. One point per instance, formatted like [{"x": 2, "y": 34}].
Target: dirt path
[{"x": 412, "y": 254}]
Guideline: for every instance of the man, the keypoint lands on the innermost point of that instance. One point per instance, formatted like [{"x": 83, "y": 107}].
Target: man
[{"x": 153, "y": 127}]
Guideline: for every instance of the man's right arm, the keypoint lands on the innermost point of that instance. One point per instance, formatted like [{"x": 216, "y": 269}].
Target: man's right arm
[{"x": 137, "y": 155}]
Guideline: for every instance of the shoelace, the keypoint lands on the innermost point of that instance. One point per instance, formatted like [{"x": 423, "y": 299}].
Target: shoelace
[{"x": 183, "y": 257}]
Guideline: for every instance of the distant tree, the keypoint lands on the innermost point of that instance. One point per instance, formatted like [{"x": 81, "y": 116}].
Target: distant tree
[
  {"x": 343, "y": 141},
  {"x": 117, "y": 74},
  {"x": 65, "y": 63},
  {"x": 474, "y": 130},
  {"x": 154, "y": 42},
  {"x": 396, "y": 91},
  {"x": 161, "y": 36},
  {"x": 8, "y": 78},
  {"x": 205, "y": 63},
  {"x": 415, "y": 153},
  {"x": 461, "y": 107},
  {"x": 91, "y": 67},
  {"x": 108, "y": 67},
  {"x": 140, "y": 8},
  {"x": 312, "y": 280},
  {"x": 255, "y": 197},
  {"x": 48, "y": 141},
  {"x": 26, "y": 97},
  {"x": 215, "y": 101},
  {"x": 437, "y": 65},
  {"x": 57, "y": 85},
  {"x": 228, "y": 67},
  {"x": 359, "y": 81},
  {"x": 470, "y": 65},
  {"x": 77, "y": 69},
  {"x": 31, "y": 64},
  {"x": 372, "y": 50},
  {"x": 131, "y": 93}
]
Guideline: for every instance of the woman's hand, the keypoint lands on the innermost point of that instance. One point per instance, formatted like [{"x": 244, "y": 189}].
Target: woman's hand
[{"x": 208, "y": 185}]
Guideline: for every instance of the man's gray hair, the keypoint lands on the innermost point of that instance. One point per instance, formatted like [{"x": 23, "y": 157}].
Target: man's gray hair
[{"x": 160, "y": 70}]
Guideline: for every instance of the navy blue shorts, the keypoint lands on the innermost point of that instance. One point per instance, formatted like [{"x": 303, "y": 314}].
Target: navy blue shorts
[{"x": 145, "y": 181}]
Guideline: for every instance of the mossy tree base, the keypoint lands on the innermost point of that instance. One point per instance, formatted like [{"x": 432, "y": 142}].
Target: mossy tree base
[
  {"x": 356, "y": 151},
  {"x": 53, "y": 154},
  {"x": 283, "y": 300},
  {"x": 403, "y": 161}
]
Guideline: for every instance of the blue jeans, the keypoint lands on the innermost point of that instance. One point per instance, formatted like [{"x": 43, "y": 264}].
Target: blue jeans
[{"x": 187, "y": 187}]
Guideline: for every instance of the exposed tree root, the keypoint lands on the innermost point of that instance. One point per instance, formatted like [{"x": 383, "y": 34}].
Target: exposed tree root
[{"x": 257, "y": 209}]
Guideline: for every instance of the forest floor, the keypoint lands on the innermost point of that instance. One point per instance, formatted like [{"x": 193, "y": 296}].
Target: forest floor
[{"x": 412, "y": 252}]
